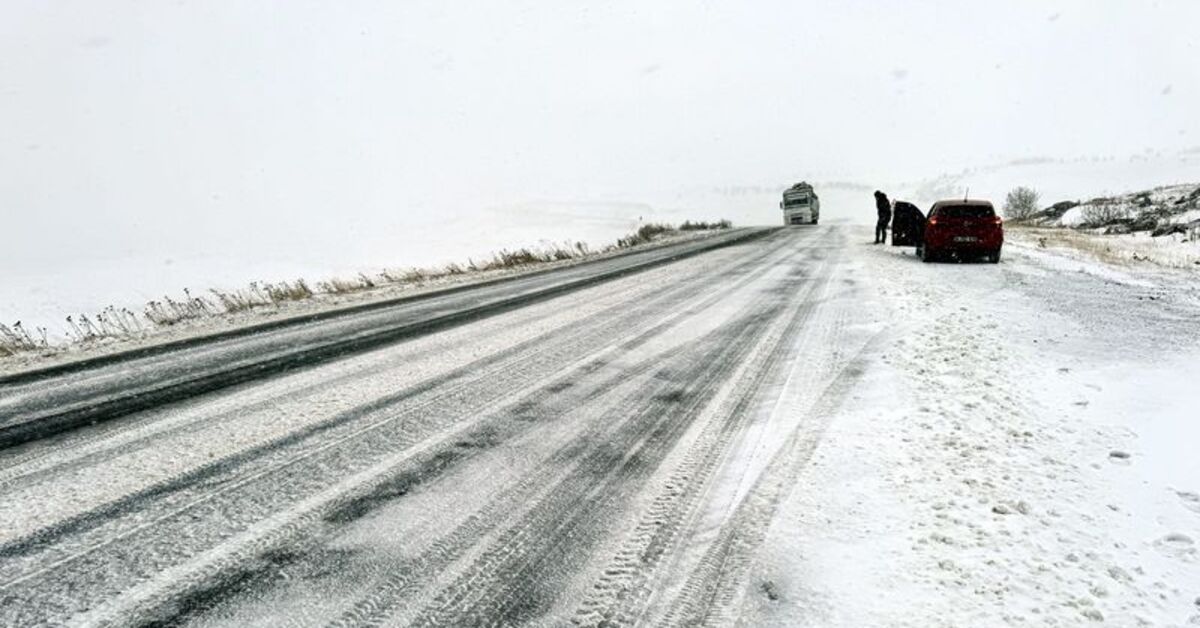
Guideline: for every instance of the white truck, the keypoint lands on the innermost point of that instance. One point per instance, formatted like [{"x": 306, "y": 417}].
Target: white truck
[{"x": 800, "y": 205}]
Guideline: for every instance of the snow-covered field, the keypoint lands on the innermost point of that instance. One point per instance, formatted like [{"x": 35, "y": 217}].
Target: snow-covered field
[{"x": 43, "y": 287}]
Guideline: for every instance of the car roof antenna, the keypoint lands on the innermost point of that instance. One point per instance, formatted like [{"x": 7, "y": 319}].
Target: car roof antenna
[{"x": 967, "y": 195}]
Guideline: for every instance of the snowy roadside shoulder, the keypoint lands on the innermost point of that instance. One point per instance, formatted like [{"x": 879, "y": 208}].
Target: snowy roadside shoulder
[
  {"x": 1003, "y": 464},
  {"x": 26, "y": 350},
  {"x": 1161, "y": 268}
]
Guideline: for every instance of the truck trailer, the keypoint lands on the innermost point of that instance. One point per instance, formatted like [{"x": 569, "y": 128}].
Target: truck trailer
[{"x": 800, "y": 205}]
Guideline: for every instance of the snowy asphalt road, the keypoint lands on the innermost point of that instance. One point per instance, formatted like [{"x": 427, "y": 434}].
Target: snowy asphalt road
[
  {"x": 553, "y": 462},
  {"x": 626, "y": 453},
  {"x": 38, "y": 403}
]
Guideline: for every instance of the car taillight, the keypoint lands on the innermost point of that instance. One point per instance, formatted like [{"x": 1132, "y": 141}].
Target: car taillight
[
  {"x": 997, "y": 220},
  {"x": 932, "y": 221}
]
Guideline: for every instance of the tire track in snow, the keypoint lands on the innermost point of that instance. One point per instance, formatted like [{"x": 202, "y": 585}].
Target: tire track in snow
[
  {"x": 619, "y": 596},
  {"x": 712, "y": 593},
  {"x": 515, "y": 579},
  {"x": 375, "y": 609}
]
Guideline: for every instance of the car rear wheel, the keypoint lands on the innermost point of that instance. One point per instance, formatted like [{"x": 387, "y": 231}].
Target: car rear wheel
[{"x": 994, "y": 256}]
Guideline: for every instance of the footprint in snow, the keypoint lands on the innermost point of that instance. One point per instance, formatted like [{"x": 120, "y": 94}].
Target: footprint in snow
[
  {"x": 1176, "y": 544},
  {"x": 1191, "y": 501},
  {"x": 1117, "y": 456},
  {"x": 771, "y": 591}
]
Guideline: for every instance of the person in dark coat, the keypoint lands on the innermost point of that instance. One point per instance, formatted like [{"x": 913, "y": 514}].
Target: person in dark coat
[{"x": 884, "y": 208}]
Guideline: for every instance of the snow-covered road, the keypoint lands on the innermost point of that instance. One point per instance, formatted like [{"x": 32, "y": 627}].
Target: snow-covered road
[{"x": 803, "y": 429}]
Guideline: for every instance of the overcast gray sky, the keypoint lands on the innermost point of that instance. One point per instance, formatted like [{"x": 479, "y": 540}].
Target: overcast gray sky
[{"x": 130, "y": 128}]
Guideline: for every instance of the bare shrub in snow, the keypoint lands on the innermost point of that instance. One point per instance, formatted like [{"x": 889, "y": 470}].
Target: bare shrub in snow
[
  {"x": 118, "y": 323},
  {"x": 170, "y": 311},
  {"x": 416, "y": 275},
  {"x": 1021, "y": 203},
  {"x": 1102, "y": 211},
  {"x": 110, "y": 323},
  {"x": 644, "y": 234},
  {"x": 241, "y": 300},
  {"x": 343, "y": 286},
  {"x": 701, "y": 225},
  {"x": 298, "y": 290},
  {"x": 516, "y": 257},
  {"x": 17, "y": 339}
]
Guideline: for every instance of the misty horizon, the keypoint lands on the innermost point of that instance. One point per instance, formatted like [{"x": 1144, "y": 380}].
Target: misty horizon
[{"x": 288, "y": 138}]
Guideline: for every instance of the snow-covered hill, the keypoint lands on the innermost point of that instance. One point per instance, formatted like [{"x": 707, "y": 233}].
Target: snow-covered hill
[{"x": 1162, "y": 210}]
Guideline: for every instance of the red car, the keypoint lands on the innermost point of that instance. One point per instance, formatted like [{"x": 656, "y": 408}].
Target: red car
[{"x": 962, "y": 229}]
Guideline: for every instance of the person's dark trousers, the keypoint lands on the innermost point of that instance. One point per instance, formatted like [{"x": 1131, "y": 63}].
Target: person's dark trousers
[{"x": 881, "y": 232}]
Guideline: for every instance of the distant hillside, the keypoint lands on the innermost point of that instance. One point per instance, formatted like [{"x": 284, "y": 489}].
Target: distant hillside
[{"x": 1161, "y": 211}]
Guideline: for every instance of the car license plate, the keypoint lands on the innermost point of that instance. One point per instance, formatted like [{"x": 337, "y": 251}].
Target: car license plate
[{"x": 966, "y": 239}]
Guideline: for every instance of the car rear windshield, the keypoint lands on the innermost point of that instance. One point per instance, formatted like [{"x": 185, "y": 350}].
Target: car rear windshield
[{"x": 966, "y": 211}]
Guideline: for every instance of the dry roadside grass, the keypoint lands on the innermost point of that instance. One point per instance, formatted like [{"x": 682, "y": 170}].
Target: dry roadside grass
[{"x": 1173, "y": 251}]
